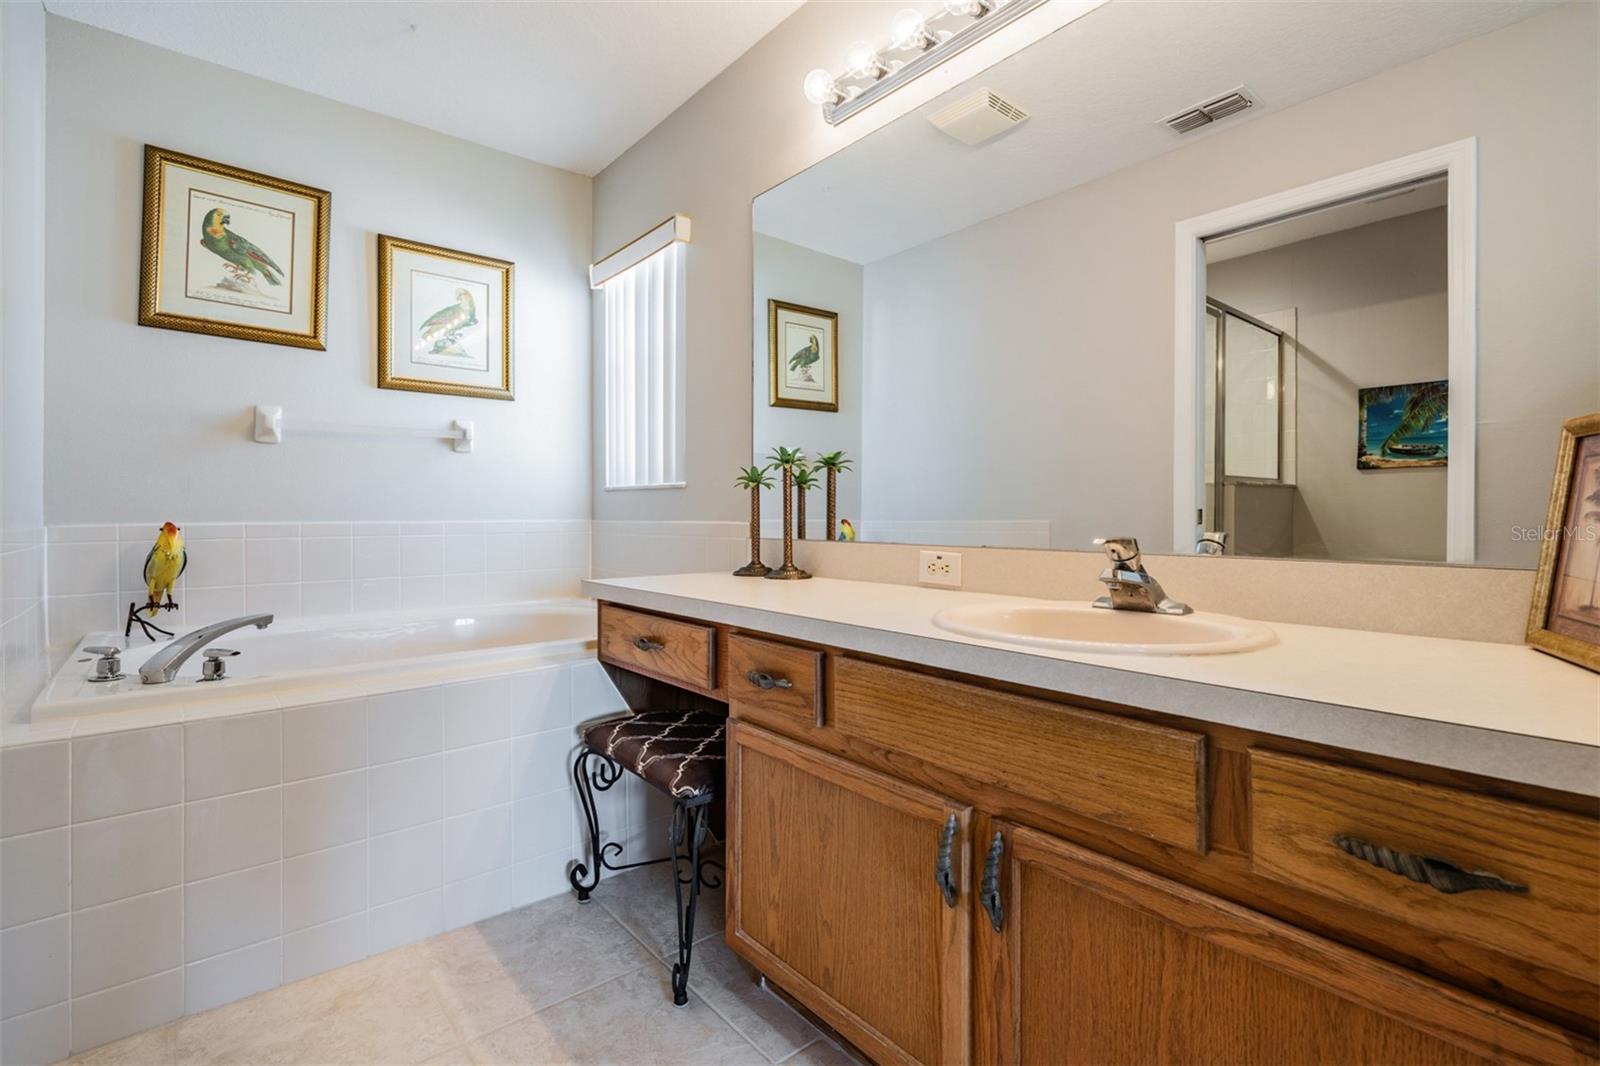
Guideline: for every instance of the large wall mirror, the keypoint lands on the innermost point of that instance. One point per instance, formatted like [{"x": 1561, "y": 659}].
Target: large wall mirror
[{"x": 1302, "y": 280}]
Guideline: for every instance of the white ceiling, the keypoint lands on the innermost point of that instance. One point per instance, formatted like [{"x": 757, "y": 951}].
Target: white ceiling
[
  {"x": 571, "y": 84},
  {"x": 1097, "y": 90}
]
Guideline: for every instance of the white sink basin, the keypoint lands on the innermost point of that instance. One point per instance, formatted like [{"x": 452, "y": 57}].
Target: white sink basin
[{"x": 1080, "y": 627}]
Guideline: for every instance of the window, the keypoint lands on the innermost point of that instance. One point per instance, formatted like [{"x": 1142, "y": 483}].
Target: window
[{"x": 643, "y": 342}]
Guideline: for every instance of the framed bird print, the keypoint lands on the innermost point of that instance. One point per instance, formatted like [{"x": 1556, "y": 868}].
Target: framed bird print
[
  {"x": 1565, "y": 617},
  {"x": 803, "y": 343},
  {"x": 232, "y": 253},
  {"x": 444, "y": 320}
]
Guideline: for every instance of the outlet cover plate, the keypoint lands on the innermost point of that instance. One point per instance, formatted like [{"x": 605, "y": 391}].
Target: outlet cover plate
[{"x": 939, "y": 568}]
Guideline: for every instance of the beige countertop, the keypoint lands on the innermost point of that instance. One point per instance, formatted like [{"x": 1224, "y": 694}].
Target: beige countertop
[{"x": 1500, "y": 710}]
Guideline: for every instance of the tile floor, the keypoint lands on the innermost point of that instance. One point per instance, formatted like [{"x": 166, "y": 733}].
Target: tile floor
[{"x": 554, "y": 982}]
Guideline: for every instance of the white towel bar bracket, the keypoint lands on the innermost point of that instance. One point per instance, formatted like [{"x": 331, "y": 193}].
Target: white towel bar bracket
[{"x": 270, "y": 427}]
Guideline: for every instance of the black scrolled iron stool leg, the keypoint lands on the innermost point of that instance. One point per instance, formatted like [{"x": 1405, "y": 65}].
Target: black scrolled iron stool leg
[
  {"x": 606, "y": 773},
  {"x": 688, "y": 831}
]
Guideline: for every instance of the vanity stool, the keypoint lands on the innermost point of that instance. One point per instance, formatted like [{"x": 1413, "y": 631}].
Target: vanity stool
[{"x": 682, "y": 753}]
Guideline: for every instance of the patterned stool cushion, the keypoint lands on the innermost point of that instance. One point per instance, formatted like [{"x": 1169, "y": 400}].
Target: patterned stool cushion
[{"x": 680, "y": 752}]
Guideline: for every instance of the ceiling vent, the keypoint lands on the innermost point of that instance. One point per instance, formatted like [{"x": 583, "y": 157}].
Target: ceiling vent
[
  {"x": 1229, "y": 103},
  {"x": 979, "y": 117}
]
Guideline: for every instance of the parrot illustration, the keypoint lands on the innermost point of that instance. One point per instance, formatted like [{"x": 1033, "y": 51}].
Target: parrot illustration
[
  {"x": 166, "y": 562},
  {"x": 238, "y": 255},
  {"x": 803, "y": 360},
  {"x": 443, "y": 326}
]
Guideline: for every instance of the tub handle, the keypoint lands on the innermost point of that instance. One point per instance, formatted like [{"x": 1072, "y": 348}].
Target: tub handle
[
  {"x": 214, "y": 669},
  {"x": 647, "y": 644}
]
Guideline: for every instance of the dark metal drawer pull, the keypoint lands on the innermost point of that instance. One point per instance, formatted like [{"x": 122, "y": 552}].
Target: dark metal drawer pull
[
  {"x": 989, "y": 888},
  {"x": 647, "y": 644},
  {"x": 1437, "y": 874},
  {"x": 941, "y": 868},
  {"x": 764, "y": 680}
]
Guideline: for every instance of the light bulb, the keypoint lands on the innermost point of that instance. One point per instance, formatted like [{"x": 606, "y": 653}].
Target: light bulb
[
  {"x": 911, "y": 30},
  {"x": 819, "y": 87},
  {"x": 862, "y": 61},
  {"x": 969, "y": 8}
]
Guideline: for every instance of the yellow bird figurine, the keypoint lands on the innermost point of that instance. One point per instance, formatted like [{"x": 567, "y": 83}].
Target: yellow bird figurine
[{"x": 166, "y": 562}]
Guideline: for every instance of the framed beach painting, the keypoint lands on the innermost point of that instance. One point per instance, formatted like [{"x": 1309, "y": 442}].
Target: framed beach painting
[
  {"x": 444, "y": 320},
  {"x": 1565, "y": 618},
  {"x": 232, "y": 253},
  {"x": 1404, "y": 426},
  {"x": 803, "y": 346}
]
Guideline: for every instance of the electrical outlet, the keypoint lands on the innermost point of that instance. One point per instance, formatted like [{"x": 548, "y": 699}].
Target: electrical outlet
[{"x": 940, "y": 568}]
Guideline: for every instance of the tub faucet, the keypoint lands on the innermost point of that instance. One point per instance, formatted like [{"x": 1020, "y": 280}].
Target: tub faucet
[
  {"x": 1129, "y": 586},
  {"x": 163, "y": 665}
]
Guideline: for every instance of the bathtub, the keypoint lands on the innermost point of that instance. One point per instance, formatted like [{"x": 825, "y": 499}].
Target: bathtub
[{"x": 310, "y": 660}]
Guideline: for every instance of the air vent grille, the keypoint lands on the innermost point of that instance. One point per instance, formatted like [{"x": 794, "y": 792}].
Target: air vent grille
[
  {"x": 977, "y": 118},
  {"x": 1229, "y": 103}
]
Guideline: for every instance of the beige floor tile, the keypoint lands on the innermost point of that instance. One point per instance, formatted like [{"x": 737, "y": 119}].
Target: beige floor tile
[
  {"x": 153, "y": 1047},
  {"x": 642, "y": 900},
  {"x": 728, "y": 984},
  {"x": 456, "y": 1056},
  {"x": 628, "y": 1020},
  {"x": 381, "y": 1010},
  {"x": 820, "y": 1053},
  {"x": 515, "y": 963}
]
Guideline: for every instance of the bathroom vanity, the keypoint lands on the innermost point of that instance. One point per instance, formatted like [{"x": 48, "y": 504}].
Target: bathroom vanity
[{"x": 952, "y": 850}]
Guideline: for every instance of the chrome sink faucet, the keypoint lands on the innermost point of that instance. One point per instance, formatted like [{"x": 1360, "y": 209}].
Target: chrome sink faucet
[
  {"x": 163, "y": 665},
  {"x": 1129, "y": 586}
]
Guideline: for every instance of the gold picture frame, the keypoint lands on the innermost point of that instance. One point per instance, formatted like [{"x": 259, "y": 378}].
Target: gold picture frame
[
  {"x": 459, "y": 348},
  {"x": 1564, "y": 620},
  {"x": 792, "y": 385},
  {"x": 201, "y": 270}
]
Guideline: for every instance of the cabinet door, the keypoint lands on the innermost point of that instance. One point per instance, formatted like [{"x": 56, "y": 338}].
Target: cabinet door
[
  {"x": 834, "y": 894},
  {"x": 1097, "y": 961}
]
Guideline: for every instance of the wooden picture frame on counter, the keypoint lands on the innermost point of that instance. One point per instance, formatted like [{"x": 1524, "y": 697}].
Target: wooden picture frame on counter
[{"x": 1565, "y": 618}]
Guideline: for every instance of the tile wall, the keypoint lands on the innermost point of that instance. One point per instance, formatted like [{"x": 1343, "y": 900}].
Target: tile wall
[
  {"x": 313, "y": 568},
  {"x": 24, "y": 662},
  {"x": 155, "y": 872}
]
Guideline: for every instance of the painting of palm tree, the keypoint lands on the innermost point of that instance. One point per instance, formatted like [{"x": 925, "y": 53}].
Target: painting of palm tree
[
  {"x": 1565, "y": 617},
  {"x": 1404, "y": 426}
]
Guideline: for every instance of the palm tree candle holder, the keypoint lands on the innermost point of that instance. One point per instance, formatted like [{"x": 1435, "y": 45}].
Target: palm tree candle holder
[
  {"x": 833, "y": 463},
  {"x": 805, "y": 479},
  {"x": 755, "y": 479},
  {"x": 787, "y": 460}
]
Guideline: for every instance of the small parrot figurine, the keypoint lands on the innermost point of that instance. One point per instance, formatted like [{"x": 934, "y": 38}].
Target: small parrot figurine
[
  {"x": 803, "y": 360},
  {"x": 443, "y": 325},
  {"x": 238, "y": 254},
  {"x": 846, "y": 530},
  {"x": 166, "y": 562}
]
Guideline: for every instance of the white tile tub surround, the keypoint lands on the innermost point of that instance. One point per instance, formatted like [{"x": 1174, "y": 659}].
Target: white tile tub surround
[
  {"x": 636, "y": 549},
  {"x": 24, "y": 656},
  {"x": 165, "y": 870},
  {"x": 305, "y": 568}
]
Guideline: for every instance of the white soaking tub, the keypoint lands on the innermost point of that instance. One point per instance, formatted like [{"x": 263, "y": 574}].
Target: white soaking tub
[{"x": 311, "y": 660}]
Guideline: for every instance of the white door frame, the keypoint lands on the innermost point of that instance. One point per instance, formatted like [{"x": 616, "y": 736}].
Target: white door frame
[{"x": 1458, "y": 161}]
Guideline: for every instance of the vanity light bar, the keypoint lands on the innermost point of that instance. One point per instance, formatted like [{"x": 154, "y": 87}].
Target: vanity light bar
[{"x": 872, "y": 75}]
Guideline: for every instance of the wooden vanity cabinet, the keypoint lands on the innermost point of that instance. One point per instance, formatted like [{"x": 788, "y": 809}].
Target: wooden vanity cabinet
[
  {"x": 1097, "y": 961},
  {"x": 832, "y": 893},
  {"x": 1165, "y": 890}
]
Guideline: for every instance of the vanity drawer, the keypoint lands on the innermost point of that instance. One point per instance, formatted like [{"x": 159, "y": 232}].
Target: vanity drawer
[
  {"x": 679, "y": 653},
  {"x": 1144, "y": 778},
  {"x": 765, "y": 676},
  {"x": 1300, "y": 806}
]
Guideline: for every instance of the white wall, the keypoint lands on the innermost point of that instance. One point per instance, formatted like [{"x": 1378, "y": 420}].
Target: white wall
[
  {"x": 150, "y": 424},
  {"x": 797, "y": 275},
  {"x": 1371, "y": 310},
  {"x": 1101, "y": 255},
  {"x": 22, "y": 153}
]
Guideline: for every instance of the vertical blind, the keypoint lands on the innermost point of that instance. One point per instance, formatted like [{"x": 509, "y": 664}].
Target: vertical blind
[{"x": 644, "y": 368}]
